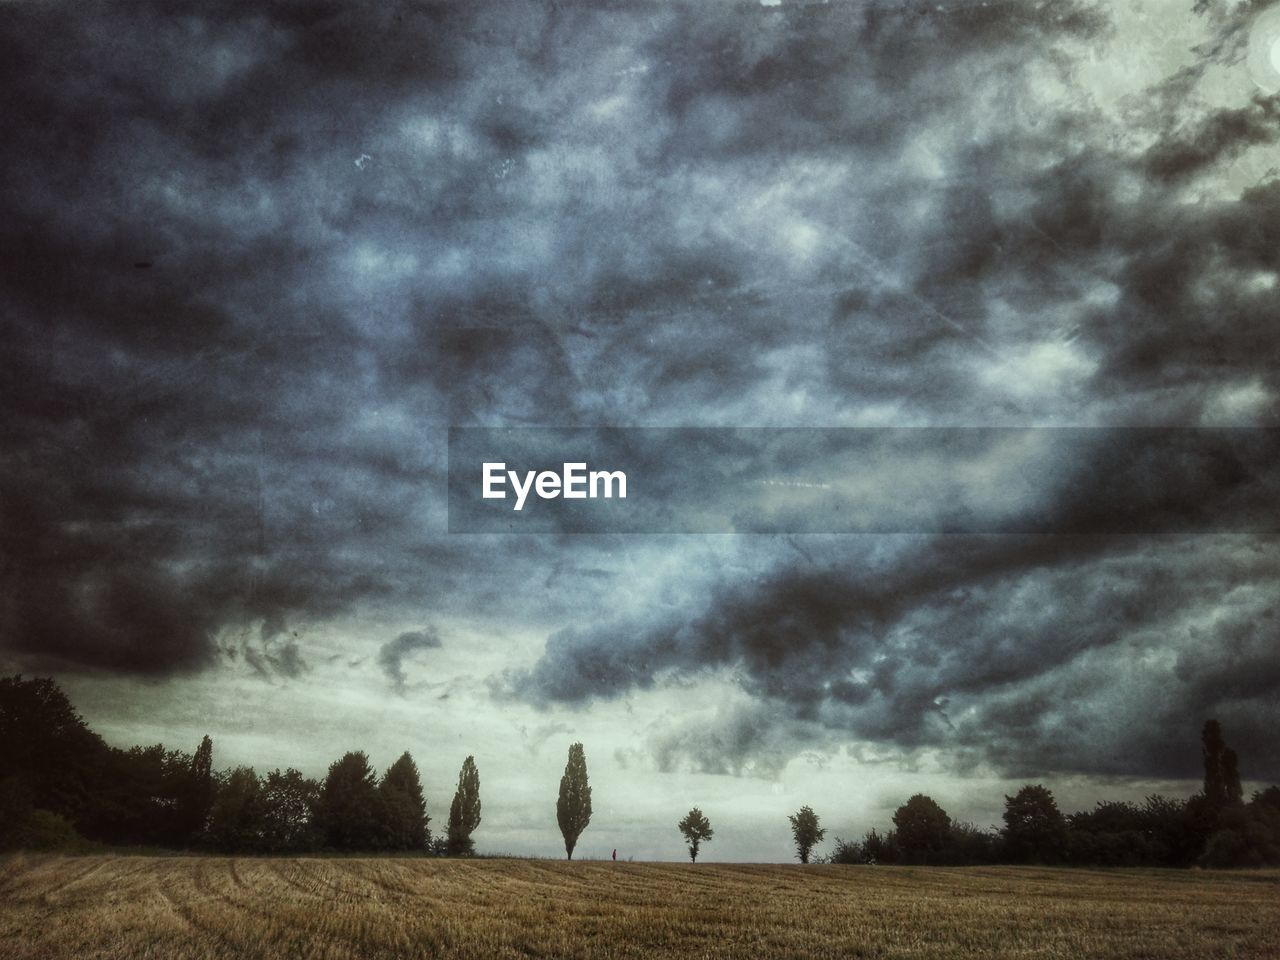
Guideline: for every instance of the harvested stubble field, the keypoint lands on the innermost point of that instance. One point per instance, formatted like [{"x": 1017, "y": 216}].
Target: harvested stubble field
[{"x": 124, "y": 907}]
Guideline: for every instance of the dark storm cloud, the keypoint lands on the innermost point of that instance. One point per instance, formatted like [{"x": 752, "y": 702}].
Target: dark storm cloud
[
  {"x": 392, "y": 654},
  {"x": 1030, "y": 654},
  {"x": 1222, "y": 135},
  {"x": 208, "y": 419},
  {"x": 258, "y": 257},
  {"x": 741, "y": 741},
  {"x": 272, "y": 658},
  {"x": 181, "y": 425}
]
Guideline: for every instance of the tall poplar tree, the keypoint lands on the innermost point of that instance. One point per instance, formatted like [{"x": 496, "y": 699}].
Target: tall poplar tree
[
  {"x": 464, "y": 812},
  {"x": 573, "y": 808}
]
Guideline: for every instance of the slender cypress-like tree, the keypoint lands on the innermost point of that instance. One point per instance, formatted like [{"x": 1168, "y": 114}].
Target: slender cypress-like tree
[
  {"x": 1221, "y": 768},
  {"x": 464, "y": 812},
  {"x": 1212, "y": 747},
  {"x": 197, "y": 799},
  {"x": 1231, "y": 776},
  {"x": 573, "y": 808}
]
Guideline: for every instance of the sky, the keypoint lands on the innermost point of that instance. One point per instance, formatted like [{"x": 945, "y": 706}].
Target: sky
[{"x": 259, "y": 258}]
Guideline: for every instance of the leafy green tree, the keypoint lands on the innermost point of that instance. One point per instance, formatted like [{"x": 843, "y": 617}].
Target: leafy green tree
[
  {"x": 970, "y": 844},
  {"x": 1034, "y": 829},
  {"x": 1247, "y": 835},
  {"x": 1172, "y": 825},
  {"x": 47, "y": 746},
  {"x": 847, "y": 851},
  {"x": 1231, "y": 776},
  {"x": 141, "y": 798},
  {"x": 402, "y": 809},
  {"x": 1212, "y": 748},
  {"x": 347, "y": 811},
  {"x": 1113, "y": 834},
  {"x": 573, "y": 806},
  {"x": 806, "y": 832},
  {"x": 1267, "y": 799},
  {"x": 1220, "y": 845},
  {"x": 923, "y": 829},
  {"x": 236, "y": 819},
  {"x": 25, "y": 827},
  {"x": 289, "y": 800},
  {"x": 464, "y": 812},
  {"x": 880, "y": 847},
  {"x": 198, "y": 794},
  {"x": 697, "y": 831}
]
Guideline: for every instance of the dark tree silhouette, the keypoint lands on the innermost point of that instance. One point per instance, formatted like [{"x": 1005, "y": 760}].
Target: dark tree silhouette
[
  {"x": 141, "y": 797},
  {"x": 62, "y": 787},
  {"x": 289, "y": 800},
  {"x": 464, "y": 812},
  {"x": 697, "y": 831},
  {"x": 402, "y": 809},
  {"x": 1212, "y": 747},
  {"x": 847, "y": 851},
  {"x": 347, "y": 809},
  {"x": 880, "y": 847},
  {"x": 1231, "y": 776},
  {"x": 806, "y": 832},
  {"x": 1034, "y": 829},
  {"x": 923, "y": 829},
  {"x": 197, "y": 799},
  {"x": 46, "y": 747},
  {"x": 573, "y": 806},
  {"x": 237, "y": 818}
]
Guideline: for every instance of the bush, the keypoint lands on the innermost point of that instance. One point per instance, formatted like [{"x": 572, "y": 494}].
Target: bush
[
  {"x": 25, "y": 827},
  {"x": 1228, "y": 848},
  {"x": 968, "y": 844},
  {"x": 880, "y": 848},
  {"x": 846, "y": 851}
]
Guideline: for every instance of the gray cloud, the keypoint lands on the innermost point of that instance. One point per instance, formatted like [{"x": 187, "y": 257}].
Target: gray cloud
[
  {"x": 1094, "y": 655},
  {"x": 392, "y": 654},
  {"x": 742, "y": 741},
  {"x": 232, "y": 352},
  {"x": 1222, "y": 135}
]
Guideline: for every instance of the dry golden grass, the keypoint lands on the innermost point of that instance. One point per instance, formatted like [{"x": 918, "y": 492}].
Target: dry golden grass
[{"x": 126, "y": 907}]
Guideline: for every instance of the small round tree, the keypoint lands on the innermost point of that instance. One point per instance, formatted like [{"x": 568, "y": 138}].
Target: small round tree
[
  {"x": 696, "y": 829},
  {"x": 1034, "y": 829},
  {"x": 923, "y": 829},
  {"x": 806, "y": 832}
]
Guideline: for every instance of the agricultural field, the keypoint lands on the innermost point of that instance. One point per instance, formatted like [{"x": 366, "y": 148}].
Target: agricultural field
[{"x": 134, "y": 906}]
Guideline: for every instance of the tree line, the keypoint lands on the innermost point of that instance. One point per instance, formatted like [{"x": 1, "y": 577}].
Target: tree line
[
  {"x": 62, "y": 786},
  {"x": 1214, "y": 828}
]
